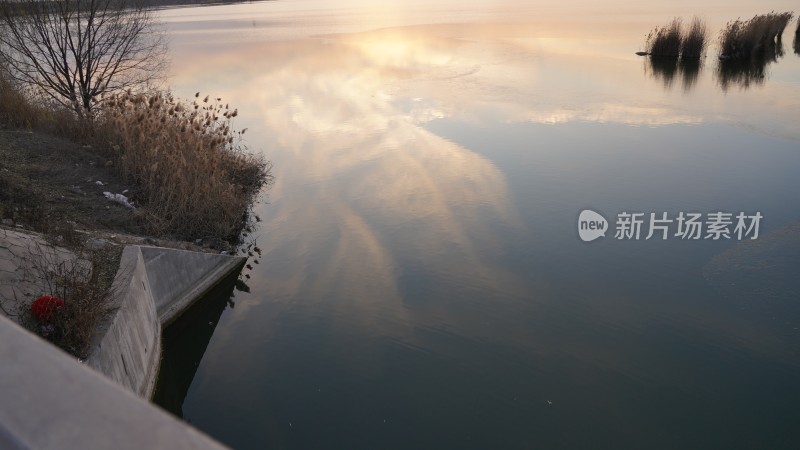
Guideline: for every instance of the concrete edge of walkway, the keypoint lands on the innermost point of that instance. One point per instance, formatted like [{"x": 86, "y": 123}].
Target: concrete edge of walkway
[{"x": 52, "y": 401}]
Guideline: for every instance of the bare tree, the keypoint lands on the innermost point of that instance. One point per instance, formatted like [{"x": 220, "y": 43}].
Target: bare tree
[{"x": 74, "y": 51}]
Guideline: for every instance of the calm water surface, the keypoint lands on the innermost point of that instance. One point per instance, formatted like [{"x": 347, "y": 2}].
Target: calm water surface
[{"x": 421, "y": 283}]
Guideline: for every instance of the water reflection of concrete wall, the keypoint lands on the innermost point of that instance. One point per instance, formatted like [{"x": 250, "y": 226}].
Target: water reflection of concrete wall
[{"x": 185, "y": 342}]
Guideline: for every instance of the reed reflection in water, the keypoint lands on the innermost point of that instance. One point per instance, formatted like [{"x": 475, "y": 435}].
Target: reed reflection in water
[
  {"x": 667, "y": 69},
  {"x": 748, "y": 72},
  {"x": 741, "y": 73},
  {"x": 797, "y": 40}
]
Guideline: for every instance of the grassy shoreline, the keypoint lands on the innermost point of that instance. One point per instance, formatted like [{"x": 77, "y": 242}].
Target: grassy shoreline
[
  {"x": 178, "y": 170},
  {"x": 146, "y": 169}
]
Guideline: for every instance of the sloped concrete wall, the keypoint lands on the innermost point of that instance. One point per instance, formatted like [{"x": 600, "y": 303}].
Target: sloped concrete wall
[
  {"x": 154, "y": 285},
  {"x": 180, "y": 277},
  {"x": 128, "y": 347}
]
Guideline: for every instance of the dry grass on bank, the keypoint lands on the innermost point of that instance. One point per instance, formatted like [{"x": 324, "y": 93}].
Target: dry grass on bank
[
  {"x": 15, "y": 109},
  {"x": 193, "y": 174},
  {"x": 189, "y": 173},
  {"x": 745, "y": 39},
  {"x": 21, "y": 110}
]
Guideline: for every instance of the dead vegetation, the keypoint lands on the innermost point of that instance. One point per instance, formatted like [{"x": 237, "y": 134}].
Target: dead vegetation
[
  {"x": 193, "y": 173},
  {"x": 665, "y": 41},
  {"x": 746, "y": 48},
  {"x": 670, "y": 41},
  {"x": 694, "y": 42},
  {"x": 741, "y": 40},
  {"x": 84, "y": 287},
  {"x": 186, "y": 168}
]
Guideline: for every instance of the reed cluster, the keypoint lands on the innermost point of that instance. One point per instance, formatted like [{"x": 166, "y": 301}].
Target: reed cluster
[
  {"x": 191, "y": 170},
  {"x": 744, "y": 39},
  {"x": 694, "y": 41},
  {"x": 671, "y": 41},
  {"x": 796, "y": 43},
  {"x": 666, "y": 40},
  {"x": 188, "y": 167}
]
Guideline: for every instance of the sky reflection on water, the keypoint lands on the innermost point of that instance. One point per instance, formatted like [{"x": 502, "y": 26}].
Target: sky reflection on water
[{"x": 422, "y": 284}]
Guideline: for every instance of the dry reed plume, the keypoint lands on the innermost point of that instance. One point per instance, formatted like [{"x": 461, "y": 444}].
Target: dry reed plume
[
  {"x": 666, "y": 40},
  {"x": 797, "y": 38},
  {"x": 745, "y": 39},
  {"x": 190, "y": 168},
  {"x": 693, "y": 43},
  {"x": 671, "y": 41}
]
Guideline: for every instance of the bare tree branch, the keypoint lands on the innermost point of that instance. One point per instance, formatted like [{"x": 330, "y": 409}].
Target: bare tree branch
[{"x": 74, "y": 51}]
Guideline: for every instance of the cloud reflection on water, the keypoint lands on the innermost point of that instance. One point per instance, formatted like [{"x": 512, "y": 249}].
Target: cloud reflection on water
[
  {"x": 368, "y": 176},
  {"x": 383, "y": 236},
  {"x": 343, "y": 117}
]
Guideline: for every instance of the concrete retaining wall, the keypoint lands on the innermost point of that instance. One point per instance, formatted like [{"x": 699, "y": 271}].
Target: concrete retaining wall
[
  {"x": 154, "y": 285},
  {"x": 128, "y": 346}
]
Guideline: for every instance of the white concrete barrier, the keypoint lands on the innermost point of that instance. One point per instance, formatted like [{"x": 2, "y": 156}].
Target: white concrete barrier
[{"x": 49, "y": 400}]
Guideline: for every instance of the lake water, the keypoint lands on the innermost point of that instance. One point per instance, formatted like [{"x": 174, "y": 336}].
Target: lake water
[{"x": 421, "y": 283}]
